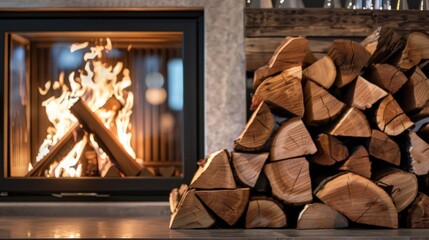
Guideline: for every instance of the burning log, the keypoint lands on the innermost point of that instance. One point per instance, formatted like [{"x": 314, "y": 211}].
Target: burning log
[
  {"x": 125, "y": 163},
  {"x": 58, "y": 151}
]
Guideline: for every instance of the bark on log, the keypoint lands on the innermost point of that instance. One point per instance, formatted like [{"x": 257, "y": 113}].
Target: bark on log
[
  {"x": 415, "y": 93},
  {"x": 358, "y": 163},
  {"x": 416, "y": 49},
  {"x": 290, "y": 53},
  {"x": 418, "y": 154},
  {"x": 386, "y": 76},
  {"x": 382, "y": 44},
  {"x": 384, "y": 148},
  {"x": 190, "y": 213},
  {"x": 320, "y": 105},
  {"x": 175, "y": 195},
  {"x": 323, "y": 72},
  {"x": 390, "y": 117},
  {"x": 402, "y": 186},
  {"x": 359, "y": 199},
  {"x": 110, "y": 144},
  {"x": 352, "y": 123},
  {"x": 257, "y": 131},
  {"x": 283, "y": 91},
  {"x": 215, "y": 173},
  {"x": 291, "y": 140},
  {"x": 229, "y": 205},
  {"x": 362, "y": 94},
  {"x": 330, "y": 150},
  {"x": 290, "y": 180},
  {"x": 265, "y": 213},
  {"x": 349, "y": 58},
  {"x": 417, "y": 214},
  {"x": 320, "y": 216},
  {"x": 248, "y": 166}
]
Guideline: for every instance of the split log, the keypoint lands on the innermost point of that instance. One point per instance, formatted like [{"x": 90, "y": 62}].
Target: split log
[
  {"x": 350, "y": 58},
  {"x": 402, "y": 186},
  {"x": 330, "y": 150},
  {"x": 382, "y": 44},
  {"x": 384, "y": 148},
  {"x": 415, "y": 93},
  {"x": 58, "y": 151},
  {"x": 359, "y": 199},
  {"x": 423, "y": 132},
  {"x": 323, "y": 72},
  {"x": 390, "y": 117},
  {"x": 291, "y": 140},
  {"x": 362, "y": 94},
  {"x": 113, "y": 172},
  {"x": 418, "y": 154},
  {"x": 290, "y": 53},
  {"x": 175, "y": 195},
  {"x": 416, "y": 49},
  {"x": 417, "y": 214},
  {"x": 320, "y": 216},
  {"x": 248, "y": 166},
  {"x": 283, "y": 90},
  {"x": 352, "y": 123},
  {"x": 190, "y": 213},
  {"x": 229, "y": 205},
  {"x": 386, "y": 76},
  {"x": 265, "y": 213},
  {"x": 358, "y": 163},
  {"x": 320, "y": 105},
  {"x": 110, "y": 144},
  {"x": 215, "y": 173},
  {"x": 257, "y": 131},
  {"x": 423, "y": 113},
  {"x": 290, "y": 180}
]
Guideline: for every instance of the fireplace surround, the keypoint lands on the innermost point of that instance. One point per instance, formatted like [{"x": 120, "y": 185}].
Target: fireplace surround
[{"x": 195, "y": 146}]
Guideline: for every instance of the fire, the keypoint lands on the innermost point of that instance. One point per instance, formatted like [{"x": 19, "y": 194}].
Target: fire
[{"x": 95, "y": 84}]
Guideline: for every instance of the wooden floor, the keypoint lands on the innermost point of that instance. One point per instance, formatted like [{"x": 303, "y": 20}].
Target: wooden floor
[{"x": 157, "y": 228}]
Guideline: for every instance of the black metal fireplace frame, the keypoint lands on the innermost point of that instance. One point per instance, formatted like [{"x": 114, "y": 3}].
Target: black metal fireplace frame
[{"x": 190, "y": 22}]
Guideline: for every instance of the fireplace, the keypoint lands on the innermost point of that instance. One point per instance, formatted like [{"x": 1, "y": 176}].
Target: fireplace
[{"x": 101, "y": 103}]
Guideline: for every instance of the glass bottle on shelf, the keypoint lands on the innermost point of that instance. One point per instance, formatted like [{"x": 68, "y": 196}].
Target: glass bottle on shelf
[
  {"x": 402, "y": 5},
  {"x": 288, "y": 4},
  {"x": 354, "y": 4},
  {"x": 332, "y": 4},
  {"x": 424, "y": 5}
]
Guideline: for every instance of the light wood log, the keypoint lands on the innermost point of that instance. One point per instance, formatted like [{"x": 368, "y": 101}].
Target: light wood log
[
  {"x": 416, "y": 49},
  {"x": 418, "y": 154},
  {"x": 265, "y": 213},
  {"x": 349, "y": 57},
  {"x": 418, "y": 213},
  {"x": 229, "y": 205},
  {"x": 382, "y": 44},
  {"x": 175, "y": 195},
  {"x": 358, "y": 162},
  {"x": 386, "y": 76},
  {"x": 190, "y": 213},
  {"x": 415, "y": 93},
  {"x": 402, "y": 186},
  {"x": 359, "y": 199},
  {"x": 390, "y": 117},
  {"x": 283, "y": 90},
  {"x": 323, "y": 72},
  {"x": 320, "y": 216},
  {"x": 352, "y": 123},
  {"x": 362, "y": 94},
  {"x": 330, "y": 150},
  {"x": 215, "y": 173},
  {"x": 290, "y": 53},
  {"x": 384, "y": 148},
  {"x": 320, "y": 105},
  {"x": 257, "y": 130},
  {"x": 248, "y": 166},
  {"x": 290, "y": 180},
  {"x": 291, "y": 140}
]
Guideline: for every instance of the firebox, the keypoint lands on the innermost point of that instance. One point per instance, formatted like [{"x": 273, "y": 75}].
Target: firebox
[{"x": 100, "y": 103}]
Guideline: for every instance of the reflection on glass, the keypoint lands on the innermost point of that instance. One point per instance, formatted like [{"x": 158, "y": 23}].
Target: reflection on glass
[
  {"x": 288, "y": 4},
  {"x": 332, "y": 4},
  {"x": 424, "y": 5}
]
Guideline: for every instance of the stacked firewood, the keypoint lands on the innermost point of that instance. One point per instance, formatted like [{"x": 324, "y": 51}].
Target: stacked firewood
[{"x": 333, "y": 142}]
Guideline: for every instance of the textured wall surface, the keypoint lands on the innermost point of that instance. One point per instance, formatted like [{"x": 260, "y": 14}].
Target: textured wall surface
[{"x": 224, "y": 66}]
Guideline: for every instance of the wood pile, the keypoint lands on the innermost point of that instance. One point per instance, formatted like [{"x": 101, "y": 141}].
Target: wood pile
[{"x": 339, "y": 141}]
